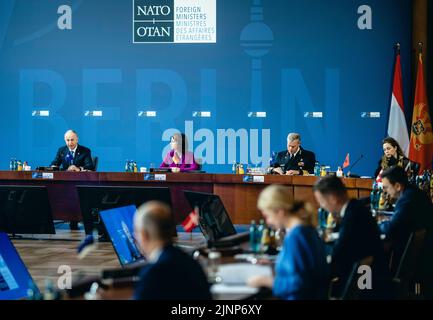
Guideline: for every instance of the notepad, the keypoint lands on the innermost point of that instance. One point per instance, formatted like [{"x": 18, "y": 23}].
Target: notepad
[
  {"x": 239, "y": 273},
  {"x": 229, "y": 289}
]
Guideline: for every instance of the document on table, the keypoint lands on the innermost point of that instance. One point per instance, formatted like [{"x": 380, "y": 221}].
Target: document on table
[
  {"x": 239, "y": 273},
  {"x": 234, "y": 276}
]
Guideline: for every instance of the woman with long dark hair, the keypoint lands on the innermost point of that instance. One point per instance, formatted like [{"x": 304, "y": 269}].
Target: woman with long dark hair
[
  {"x": 393, "y": 156},
  {"x": 179, "y": 158}
]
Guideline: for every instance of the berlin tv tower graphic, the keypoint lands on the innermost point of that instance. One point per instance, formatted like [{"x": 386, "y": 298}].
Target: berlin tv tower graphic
[
  {"x": 256, "y": 40},
  {"x": 130, "y": 243}
]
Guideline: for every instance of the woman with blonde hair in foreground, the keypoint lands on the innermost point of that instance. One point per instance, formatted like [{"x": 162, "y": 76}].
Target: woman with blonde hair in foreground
[{"x": 301, "y": 271}]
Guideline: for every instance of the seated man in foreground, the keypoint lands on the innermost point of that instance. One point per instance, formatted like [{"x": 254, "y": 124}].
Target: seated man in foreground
[
  {"x": 170, "y": 274},
  {"x": 413, "y": 211},
  {"x": 359, "y": 237}
]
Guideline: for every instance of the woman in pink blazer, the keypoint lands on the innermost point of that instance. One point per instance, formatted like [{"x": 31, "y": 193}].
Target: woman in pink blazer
[{"x": 178, "y": 156}]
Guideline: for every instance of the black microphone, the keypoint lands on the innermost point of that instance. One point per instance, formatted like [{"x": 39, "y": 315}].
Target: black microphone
[{"x": 352, "y": 175}]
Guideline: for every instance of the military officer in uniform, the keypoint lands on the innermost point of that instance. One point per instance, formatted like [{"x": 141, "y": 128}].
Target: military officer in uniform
[{"x": 295, "y": 160}]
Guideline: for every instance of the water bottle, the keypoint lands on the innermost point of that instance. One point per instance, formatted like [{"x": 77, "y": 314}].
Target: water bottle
[
  {"x": 322, "y": 218},
  {"x": 272, "y": 159},
  {"x": 241, "y": 169},
  {"x": 381, "y": 199},
  {"x": 214, "y": 260},
  {"x": 19, "y": 165},
  {"x": 426, "y": 182},
  {"x": 253, "y": 239},
  {"x": 279, "y": 238},
  {"x": 339, "y": 172},
  {"x": 33, "y": 292},
  {"x": 373, "y": 196},
  {"x": 322, "y": 171},
  {"x": 265, "y": 242},
  {"x": 330, "y": 222},
  {"x": 135, "y": 167},
  {"x": 234, "y": 167},
  {"x": 259, "y": 233},
  {"x": 126, "y": 165},
  {"x": 11, "y": 165},
  {"x": 49, "y": 293},
  {"x": 317, "y": 169}
]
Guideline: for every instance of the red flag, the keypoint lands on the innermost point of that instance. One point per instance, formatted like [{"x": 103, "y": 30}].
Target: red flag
[
  {"x": 191, "y": 221},
  {"x": 421, "y": 137},
  {"x": 346, "y": 162},
  {"x": 397, "y": 127}
]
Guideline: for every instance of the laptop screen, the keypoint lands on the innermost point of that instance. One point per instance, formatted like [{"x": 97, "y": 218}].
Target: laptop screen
[
  {"x": 94, "y": 199},
  {"x": 214, "y": 222},
  {"x": 119, "y": 225},
  {"x": 25, "y": 210},
  {"x": 15, "y": 279}
]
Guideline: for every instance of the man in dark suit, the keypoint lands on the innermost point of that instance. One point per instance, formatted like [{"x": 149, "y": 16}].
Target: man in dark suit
[
  {"x": 73, "y": 157},
  {"x": 294, "y": 161},
  {"x": 170, "y": 274},
  {"x": 413, "y": 211},
  {"x": 359, "y": 236}
]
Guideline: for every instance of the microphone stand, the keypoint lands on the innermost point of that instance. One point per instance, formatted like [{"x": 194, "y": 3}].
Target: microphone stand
[{"x": 349, "y": 174}]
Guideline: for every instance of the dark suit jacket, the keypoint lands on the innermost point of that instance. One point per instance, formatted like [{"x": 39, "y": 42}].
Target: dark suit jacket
[
  {"x": 359, "y": 237},
  {"x": 175, "y": 276},
  {"x": 410, "y": 165},
  {"x": 304, "y": 160},
  {"x": 413, "y": 211},
  {"x": 82, "y": 158}
]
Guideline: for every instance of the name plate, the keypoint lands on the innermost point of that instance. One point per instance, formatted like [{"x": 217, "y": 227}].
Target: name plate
[
  {"x": 247, "y": 178},
  {"x": 156, "y": 176},
  {"x": 253, "y": 178},
  {"x": 160, "y": 177},
  {"x": 149, "y": 176},
  {"x": 260, "y": 179},
  {"x": 43, "y": 175}
]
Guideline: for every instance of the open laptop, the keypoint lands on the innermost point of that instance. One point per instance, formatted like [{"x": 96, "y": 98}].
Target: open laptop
[
  {"x": 214, "y": 220},
  {"x": 94, "y": 199},
  {"x": 119, "y": 225},
  {"x": 25, "y": 210},
  {"x": 15, "y": 279}
]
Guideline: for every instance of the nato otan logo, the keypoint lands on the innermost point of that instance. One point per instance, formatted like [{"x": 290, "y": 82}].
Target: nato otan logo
[
  {"x": 174, "y": 21},
  {"x": 153, "y": 21}
]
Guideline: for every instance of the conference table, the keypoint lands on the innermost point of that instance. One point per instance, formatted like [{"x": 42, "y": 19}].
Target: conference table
[{"x": 238, "y": 192}]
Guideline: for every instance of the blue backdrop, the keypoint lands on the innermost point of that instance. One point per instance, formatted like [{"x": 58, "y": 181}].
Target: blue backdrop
[{"x": 286, "y": 58}]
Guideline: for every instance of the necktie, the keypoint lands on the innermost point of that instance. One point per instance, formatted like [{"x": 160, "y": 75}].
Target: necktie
[{"x": 72, "y": 156}]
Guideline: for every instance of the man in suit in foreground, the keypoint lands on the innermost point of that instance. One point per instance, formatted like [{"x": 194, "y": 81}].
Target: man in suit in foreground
[
  {"x": 170, "y": 274},
  {"x": 359, "y": 236},
  {"x": 73, "y": 157},
  {"x": 413, "y": 211},
  {"x": 294, "y": 161}
]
